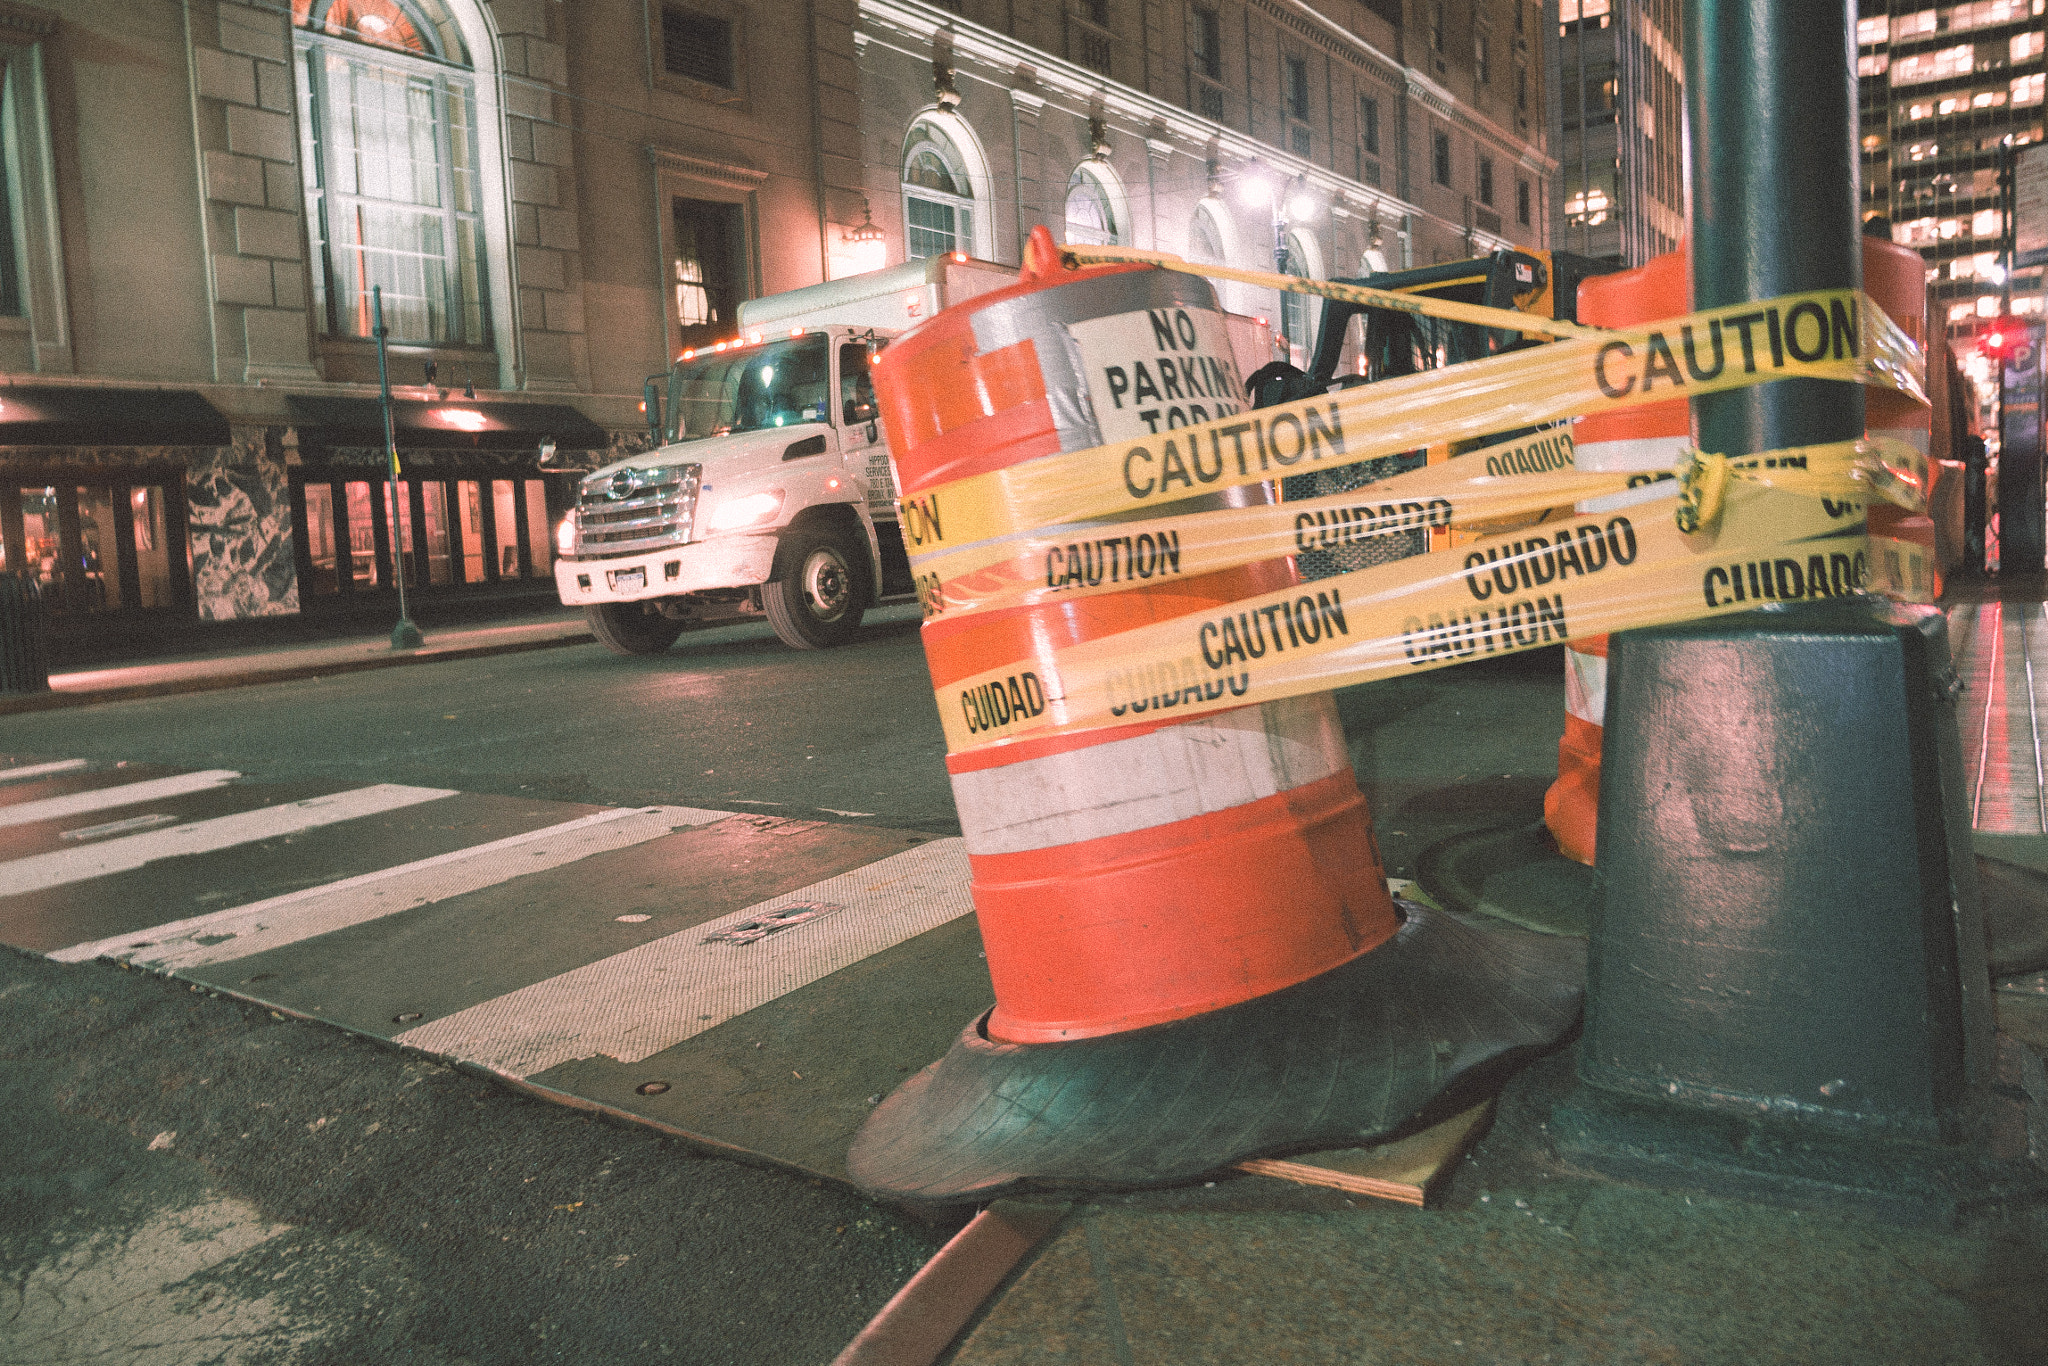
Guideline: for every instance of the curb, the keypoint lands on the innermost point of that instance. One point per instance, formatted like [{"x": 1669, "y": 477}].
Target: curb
[{"x": 55, "y": 700}]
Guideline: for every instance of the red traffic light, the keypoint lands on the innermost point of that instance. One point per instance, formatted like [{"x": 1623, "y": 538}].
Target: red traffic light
[{"x": 2005, "y": 336}]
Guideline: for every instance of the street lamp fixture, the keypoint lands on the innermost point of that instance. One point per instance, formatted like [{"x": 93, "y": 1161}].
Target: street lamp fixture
[{"x": 867, "y": 231}]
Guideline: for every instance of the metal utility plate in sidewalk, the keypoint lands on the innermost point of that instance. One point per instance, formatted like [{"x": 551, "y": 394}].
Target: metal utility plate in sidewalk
[{"x": 748, "y": 984}]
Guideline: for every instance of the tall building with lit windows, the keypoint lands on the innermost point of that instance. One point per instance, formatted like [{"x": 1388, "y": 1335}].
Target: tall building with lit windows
[
  {"x": 1617, "y": 92},
  {"x": 1941, "y": 89}
]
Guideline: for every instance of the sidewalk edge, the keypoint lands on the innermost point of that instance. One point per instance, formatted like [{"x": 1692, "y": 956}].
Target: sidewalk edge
[{"x": 57, "y": 700}]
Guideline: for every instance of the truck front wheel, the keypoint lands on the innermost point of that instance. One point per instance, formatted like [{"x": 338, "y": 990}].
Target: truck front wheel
[
  {"x": 632, "y": 628},
  {"x": 819, "y": 603}
]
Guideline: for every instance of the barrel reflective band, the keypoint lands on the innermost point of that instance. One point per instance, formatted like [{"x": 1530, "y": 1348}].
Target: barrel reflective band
[{"x": 1585, "y": 686}]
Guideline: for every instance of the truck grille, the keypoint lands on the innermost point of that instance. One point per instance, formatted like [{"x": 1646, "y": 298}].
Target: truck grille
[{"x": 635, "y": 509}]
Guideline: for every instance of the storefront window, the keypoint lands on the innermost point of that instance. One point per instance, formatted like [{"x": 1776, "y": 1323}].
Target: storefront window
[
  {"x": 448, "y": 533},
  {"x": 364, "y": 570},
  {"x": 434, "y": 496},
  {"x": 152, "y": 548},
  {"x": 505, "y": 504},
  {"x": 99, "y": 565},
  {"x": 470, "y": 524},
  {"x": 540, "y": 537},
  {"x": 319, "y": 539},
  {"x": 93, "y": 547},
  {"x": 40, "y": 554}
]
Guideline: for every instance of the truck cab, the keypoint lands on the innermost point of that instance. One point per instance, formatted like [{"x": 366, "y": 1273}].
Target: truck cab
[{"x": 769, "y": 493}]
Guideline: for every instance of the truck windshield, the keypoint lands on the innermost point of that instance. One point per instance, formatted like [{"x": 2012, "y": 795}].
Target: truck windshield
[{"x": 777, "y": 385}]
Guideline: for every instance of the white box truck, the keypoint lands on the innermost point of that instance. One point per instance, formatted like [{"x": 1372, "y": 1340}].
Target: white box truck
[{"x": 770, "y": 493}]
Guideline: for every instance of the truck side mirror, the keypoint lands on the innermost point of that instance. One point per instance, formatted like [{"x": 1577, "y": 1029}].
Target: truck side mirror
[
  {"x": 854, "y": 411},
  {"x": 650, "y": 403}
]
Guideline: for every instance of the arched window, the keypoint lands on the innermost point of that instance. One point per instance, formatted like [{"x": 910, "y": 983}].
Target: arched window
[
  {"x": 389, "y": 141},
  {"x": 1297, "y": 315},
  {"x": 1092, "y": 207},
  {"x": 1205, "y": 237},
  {"x": 938, "y": 193}
]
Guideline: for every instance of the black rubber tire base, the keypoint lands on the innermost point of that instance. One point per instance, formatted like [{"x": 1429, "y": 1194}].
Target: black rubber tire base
[{"x": 1413, "y": 1030}]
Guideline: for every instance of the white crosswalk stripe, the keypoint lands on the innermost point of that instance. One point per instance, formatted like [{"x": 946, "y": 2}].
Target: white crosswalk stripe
[
  {"x": 239, "y": 931},
  {"x": 38, "y": 872},
  {"x": 634, "y": 1004},
  {"x": 23, "y": 772},
  {"x": 626, "y": 1006},
  {"x": 107, "y": 798}
]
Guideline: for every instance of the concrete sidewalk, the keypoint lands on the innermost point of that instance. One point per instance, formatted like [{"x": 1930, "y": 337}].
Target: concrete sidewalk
[
  {"x": 1521, "y": 1260},
  {"x": 241, "y": 668},
  {"x": 1520, "y": 1256}
]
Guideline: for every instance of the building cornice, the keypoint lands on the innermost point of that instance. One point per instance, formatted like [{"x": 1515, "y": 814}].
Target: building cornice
[{"x": 917, "y": 23}]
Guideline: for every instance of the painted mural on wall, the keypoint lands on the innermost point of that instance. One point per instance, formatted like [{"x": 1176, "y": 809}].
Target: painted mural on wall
[{"x": 240, "y": 528}]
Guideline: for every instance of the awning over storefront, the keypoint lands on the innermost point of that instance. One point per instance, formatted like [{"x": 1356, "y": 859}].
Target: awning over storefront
[
  {"x": 66, "y": 415},
  {"x": 459, "y": 423}
]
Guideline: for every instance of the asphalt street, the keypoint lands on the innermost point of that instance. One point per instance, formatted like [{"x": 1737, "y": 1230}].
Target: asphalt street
[
  {"x": 203, "y": 1180},
  {"x": 732, "y": 718}
]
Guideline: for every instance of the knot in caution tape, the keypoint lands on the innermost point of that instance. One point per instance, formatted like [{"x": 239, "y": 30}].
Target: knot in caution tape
[
  {"x": 1854, "y": 471},
  {"x": 1702, "y": 481}
]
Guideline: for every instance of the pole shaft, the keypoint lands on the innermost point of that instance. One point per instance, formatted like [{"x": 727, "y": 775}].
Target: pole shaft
[
  {"x": 1770, "y": 98},
  {"x": 390, "y": 447}
]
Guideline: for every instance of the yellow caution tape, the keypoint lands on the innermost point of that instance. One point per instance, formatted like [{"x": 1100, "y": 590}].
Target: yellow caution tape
[
  {"x": 1470, "y": 490},
  {"x": 1894, "y": 470},
  {"x": 1584, "y": 577},
  {"x": 1420, "y": 304},
  {"x": 1824, "y": 334}
]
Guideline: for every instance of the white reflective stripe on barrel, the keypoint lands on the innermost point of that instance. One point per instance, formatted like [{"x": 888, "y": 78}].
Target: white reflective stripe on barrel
[
  {"x": 1162, "y": 776},
  {"x": 1585, "y": 686},
  {"x": 1640, "y": 454}
]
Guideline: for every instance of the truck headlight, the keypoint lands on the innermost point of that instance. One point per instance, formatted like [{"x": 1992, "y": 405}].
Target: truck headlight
[
  {"x": 748, "y": 511},
  {"x": 565, "y": 535}
]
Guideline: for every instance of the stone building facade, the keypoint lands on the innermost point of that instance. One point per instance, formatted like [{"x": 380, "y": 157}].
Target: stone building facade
[
  {"x": 204, "y": 194},
  {"x": 1334, "y": 141},
  {"x": 208, "y": 203}
]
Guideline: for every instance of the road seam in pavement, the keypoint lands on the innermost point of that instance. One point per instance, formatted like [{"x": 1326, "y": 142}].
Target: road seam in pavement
[{"x": 922, "y": 1319}]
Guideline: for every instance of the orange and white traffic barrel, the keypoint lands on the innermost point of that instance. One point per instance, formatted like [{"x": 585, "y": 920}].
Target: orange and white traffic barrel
[
  {"x": 1187, "y": 925},
  {"x": 1648, "y": 441},
  {"x": 1896, "y": 278}
]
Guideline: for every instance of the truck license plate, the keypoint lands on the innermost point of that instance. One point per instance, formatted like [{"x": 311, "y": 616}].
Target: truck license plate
[{"x": 624, "y": 579}]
